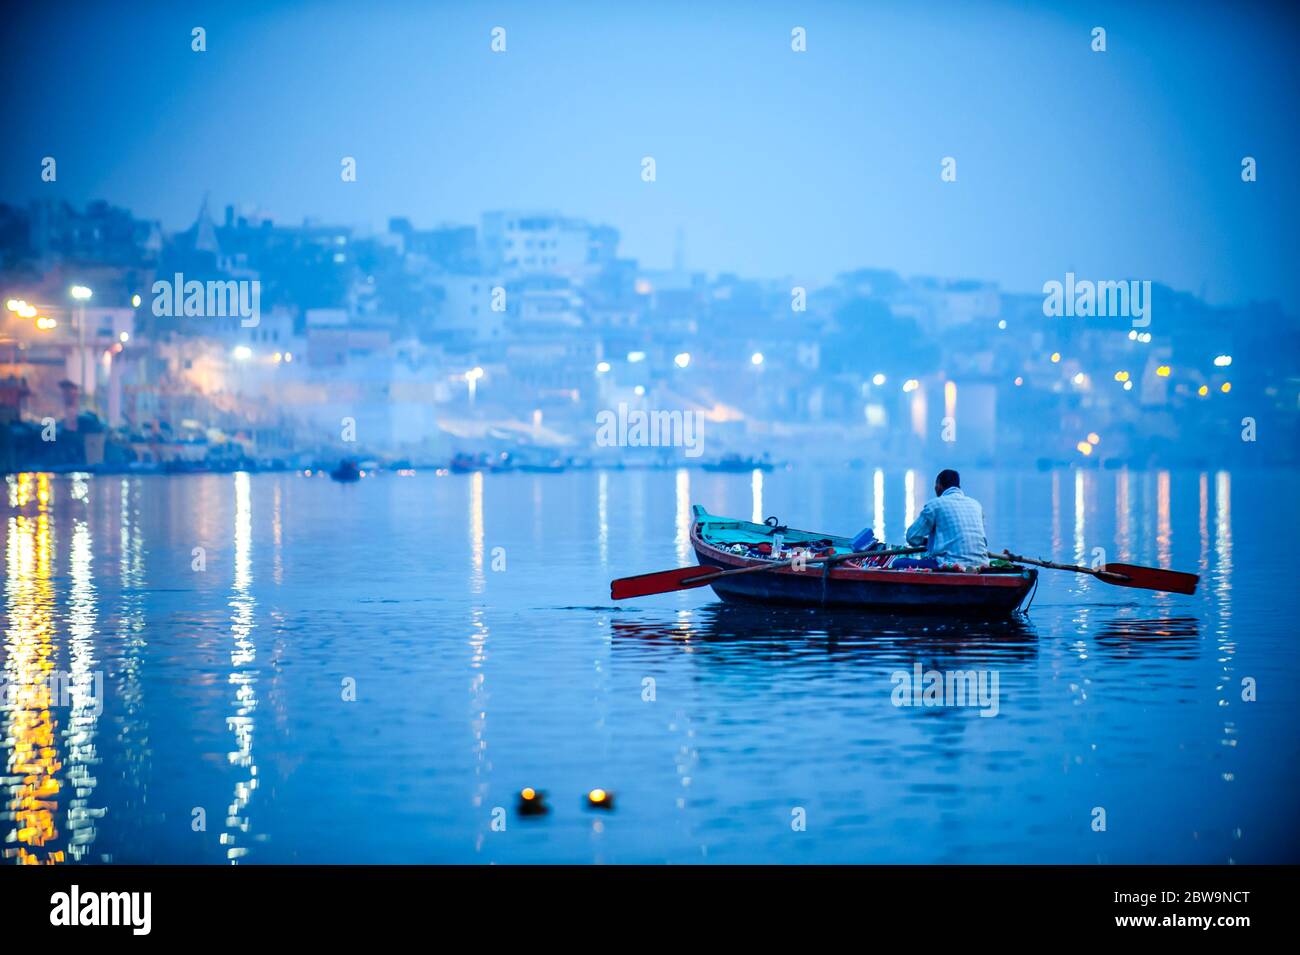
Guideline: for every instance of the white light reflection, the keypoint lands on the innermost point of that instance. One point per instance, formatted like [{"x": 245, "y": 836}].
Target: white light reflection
[
  {"x": 1123, "y": 515},
  {"x": 477, "y": 580},
  {"x": 878, "y": 503},
  {"x": 602, "y": 517},
  {"x": 243, "y": 673},
  {"x": 682, "y": 539},
  {"x": 86, "y": 690},
  {"x": 909, "y": 497}
]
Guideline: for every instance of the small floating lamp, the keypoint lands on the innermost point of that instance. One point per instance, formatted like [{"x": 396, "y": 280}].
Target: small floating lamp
[
  {"x": 600, "y": 799},
  {"x": 532, "y": 802}
]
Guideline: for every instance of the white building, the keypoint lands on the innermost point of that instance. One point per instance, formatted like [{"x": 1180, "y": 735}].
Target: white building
[{"x": 522, "y": 243}]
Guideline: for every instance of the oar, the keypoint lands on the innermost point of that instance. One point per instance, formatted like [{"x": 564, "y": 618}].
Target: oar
[
  {"x": 1122, "y": 575},
  {"x": 684, "y": 578}
]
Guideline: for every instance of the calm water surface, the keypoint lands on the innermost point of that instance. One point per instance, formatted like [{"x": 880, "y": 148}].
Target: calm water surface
[{"x": 207, "y": 715}]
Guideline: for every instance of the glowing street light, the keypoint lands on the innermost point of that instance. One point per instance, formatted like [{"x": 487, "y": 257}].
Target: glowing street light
[
  {"x": 242, "y": 353},
  {"x": 683, "y": 359},
  {"x": 602, "y": 367},
  {"x": 1223, "y": 361},
  {"x": 471, "y": 378},
  {"x": 877, "y": 379},
  {"x": 81, "y": 294},
  {"x": 911, "y": 384},
  {"x": 635, "y": 356},
  {"x": 756, "y": 358}
]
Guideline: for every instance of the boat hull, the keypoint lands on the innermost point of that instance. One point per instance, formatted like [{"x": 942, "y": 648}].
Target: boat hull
[{"x": 871, "y": 590}]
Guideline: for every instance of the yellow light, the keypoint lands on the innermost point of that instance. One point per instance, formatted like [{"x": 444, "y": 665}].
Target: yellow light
[
  {"x": 46, "y": 323},
  {"x": 12, "y": 305},
  {"x": 1080, "y": 378},
  {"x": 911, "y": 384},
  {"x": 277, "y": 358},
  {"x": 1203, "y": 391},
  {"x": 135, "y": 301},
  {"x": 1094, "y": 437},
  {"x": 242, "y": 353},
  {"x": 26, "y": 311},
  {"x": 81, "y": 293},
  {"x": 1056, "y": 356},
  {"x": 596, "y": 795},
  {"x": 1121, "y": 376},
  {"x": 1084, "y": 448},
  {"x": 1226, "y": 387},
  {"x": 1163, "y": 371},
  {"x": 600, "y": 799},
  {"x": 528, "y": 793}
]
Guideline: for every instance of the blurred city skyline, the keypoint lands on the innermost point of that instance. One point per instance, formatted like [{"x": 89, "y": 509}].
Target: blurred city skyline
[{"x": 769, "y": 162}]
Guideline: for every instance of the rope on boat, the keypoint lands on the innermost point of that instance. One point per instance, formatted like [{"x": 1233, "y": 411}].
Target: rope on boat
[{"x": 1032, "y": 594}]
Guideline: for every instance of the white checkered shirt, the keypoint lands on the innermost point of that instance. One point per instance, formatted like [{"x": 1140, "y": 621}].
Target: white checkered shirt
[{"x": 951, "y": 526}]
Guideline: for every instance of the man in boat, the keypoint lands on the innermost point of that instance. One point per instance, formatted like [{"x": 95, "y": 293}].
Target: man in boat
[{"x": 950, "y": 526}]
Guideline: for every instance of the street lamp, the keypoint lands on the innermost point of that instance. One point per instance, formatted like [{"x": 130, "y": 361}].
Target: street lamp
[
  {"x": 81, "y": 294},
  {"x": 471, "y": 377}
]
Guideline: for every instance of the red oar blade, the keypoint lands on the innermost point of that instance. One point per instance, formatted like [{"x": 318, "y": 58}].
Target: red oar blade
[
  {"x": 661, "y": 582},
  {"x": 1152, "y": 578}
]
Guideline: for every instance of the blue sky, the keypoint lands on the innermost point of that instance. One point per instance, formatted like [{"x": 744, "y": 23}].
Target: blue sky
[{"x": 774, "y": 163}]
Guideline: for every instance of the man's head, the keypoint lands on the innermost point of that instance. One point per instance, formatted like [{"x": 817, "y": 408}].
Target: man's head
[{"x": 947, "y": 478}]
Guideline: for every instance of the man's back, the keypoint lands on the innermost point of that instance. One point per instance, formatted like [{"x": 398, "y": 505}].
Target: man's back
[{"x": 952, "y": 526}]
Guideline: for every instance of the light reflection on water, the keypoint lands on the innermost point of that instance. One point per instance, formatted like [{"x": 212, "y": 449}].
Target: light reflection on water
[{"x": 367, "y": 673}]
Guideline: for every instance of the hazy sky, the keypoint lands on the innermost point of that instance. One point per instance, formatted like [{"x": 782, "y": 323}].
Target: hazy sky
[{"x": 1123, "y": 164}]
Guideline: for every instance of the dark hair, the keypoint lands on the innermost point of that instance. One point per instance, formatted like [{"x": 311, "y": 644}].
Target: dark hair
[{"x": 948, "y": 478}]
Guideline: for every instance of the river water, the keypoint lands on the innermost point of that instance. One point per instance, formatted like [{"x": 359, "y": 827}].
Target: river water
[{"x": 278, "y": 668}]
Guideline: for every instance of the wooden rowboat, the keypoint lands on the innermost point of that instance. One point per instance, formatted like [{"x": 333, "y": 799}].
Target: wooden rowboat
[{"x": 993, "y": 592}]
